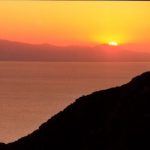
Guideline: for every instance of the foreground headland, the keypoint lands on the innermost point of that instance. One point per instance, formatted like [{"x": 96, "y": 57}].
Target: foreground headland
[{"x": 114, "y": 119}]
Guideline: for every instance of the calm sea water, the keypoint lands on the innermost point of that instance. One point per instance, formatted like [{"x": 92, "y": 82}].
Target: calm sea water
[{"x": 32, "y": 92}]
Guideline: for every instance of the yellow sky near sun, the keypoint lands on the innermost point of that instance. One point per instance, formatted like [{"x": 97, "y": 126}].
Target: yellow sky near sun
[{"x": 67, "y": 23}]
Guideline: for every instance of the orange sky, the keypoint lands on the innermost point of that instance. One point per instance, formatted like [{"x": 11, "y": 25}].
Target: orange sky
[{"x": 75, "y": 23}]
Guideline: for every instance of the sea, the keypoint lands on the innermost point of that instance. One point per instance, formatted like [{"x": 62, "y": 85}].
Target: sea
[{"x": 32, "y": 92}]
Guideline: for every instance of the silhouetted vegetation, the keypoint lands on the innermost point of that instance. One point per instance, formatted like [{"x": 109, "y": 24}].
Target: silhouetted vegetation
[{"x": 113, "y": 119}]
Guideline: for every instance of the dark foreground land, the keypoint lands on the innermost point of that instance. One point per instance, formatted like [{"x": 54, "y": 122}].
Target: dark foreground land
[{"x": 113, "y": 119}]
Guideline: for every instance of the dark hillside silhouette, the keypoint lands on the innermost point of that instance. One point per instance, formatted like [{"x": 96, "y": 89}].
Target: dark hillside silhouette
[{"x": 113, "y": 119}]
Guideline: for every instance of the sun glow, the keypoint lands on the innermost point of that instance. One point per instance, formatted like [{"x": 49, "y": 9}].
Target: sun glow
[{"x": 112, "y": 43}]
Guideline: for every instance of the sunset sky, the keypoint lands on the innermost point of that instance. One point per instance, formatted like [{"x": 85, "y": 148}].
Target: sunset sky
[
  {"x": 76, "y": 23},
  {"x": 30, "y": 93}
]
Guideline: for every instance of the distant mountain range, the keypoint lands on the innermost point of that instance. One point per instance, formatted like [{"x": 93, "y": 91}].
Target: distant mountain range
[
  {"x": 16, "y": 51},
  {"x": 113, "y": 119}
]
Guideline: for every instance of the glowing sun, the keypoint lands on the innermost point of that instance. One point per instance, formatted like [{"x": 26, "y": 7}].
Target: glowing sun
[{"x": 112, "y": 43}]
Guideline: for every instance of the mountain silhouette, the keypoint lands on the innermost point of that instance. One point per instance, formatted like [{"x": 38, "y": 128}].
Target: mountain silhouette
[
  {"x": 17, "y": 51},
  {"x": 113, "y": 119}
]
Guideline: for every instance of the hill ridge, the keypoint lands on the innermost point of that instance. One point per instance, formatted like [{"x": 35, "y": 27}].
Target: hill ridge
[
  {"x": 17, "y": 51},
  {"x": 110, "y": 119}
]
